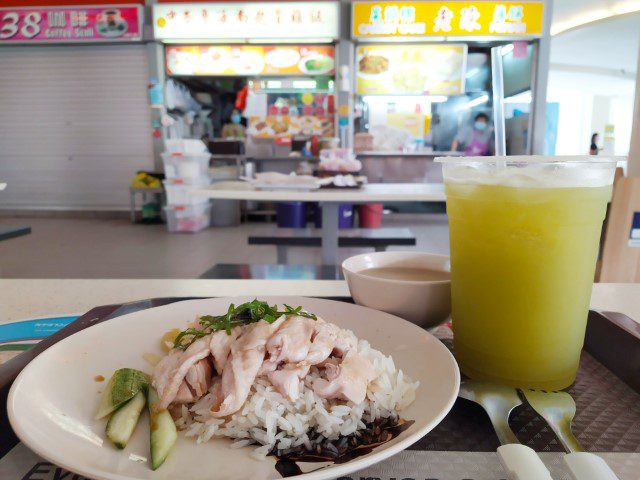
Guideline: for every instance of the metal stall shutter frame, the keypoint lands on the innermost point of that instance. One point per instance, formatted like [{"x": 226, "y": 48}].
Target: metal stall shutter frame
[{"x": 74, "y": 125}]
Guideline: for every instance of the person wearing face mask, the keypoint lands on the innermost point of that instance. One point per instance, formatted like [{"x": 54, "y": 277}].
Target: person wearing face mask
[
  {"x": 234, "y": 129},
  {"x": 476, "y": 140}
]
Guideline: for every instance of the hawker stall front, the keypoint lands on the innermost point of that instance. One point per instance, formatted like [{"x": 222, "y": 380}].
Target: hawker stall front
[
  {"x": 446, "y": 78},
  {"x": 250, "y": 78}
]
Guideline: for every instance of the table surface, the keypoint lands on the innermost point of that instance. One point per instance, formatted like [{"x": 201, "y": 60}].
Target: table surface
[
  {"x": 420, "y": 154},
  {"x": 372, "y": 192},
  {"x": 32, "y": 298}
]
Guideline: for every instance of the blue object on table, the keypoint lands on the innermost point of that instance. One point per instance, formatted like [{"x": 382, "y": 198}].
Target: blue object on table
[
  {"x": 30, "y": 331},
  {"x": 345, "y": 215},
  {"x": 291, "y": 215}
]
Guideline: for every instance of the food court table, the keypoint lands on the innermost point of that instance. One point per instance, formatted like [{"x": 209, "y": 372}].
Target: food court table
[
  {"x": 26, "y": 298},
  {"x": 330, "y": 200}
]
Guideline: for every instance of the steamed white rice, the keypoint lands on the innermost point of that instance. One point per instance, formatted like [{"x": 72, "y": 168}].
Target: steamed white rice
[{"x": 274, "y": 422}]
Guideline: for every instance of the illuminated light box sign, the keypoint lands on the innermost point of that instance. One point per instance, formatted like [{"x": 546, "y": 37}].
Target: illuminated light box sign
[
  {"x": 108, "y": 23},
  {"x": 243, "y": 21},
  {"x": 410, "y": 69},
  {"x": 429, "y": 18},
  {"x": 240, "y": 60}
]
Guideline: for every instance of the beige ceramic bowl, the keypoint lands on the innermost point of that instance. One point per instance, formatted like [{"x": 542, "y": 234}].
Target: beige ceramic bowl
[{"x": 425, "y": 303}]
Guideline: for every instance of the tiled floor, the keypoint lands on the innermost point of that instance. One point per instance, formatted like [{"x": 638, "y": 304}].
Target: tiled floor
[{"x": 88, "y": 248}]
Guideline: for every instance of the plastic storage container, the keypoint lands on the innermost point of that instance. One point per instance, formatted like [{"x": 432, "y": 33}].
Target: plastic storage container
[
  {"x": 188, "y": 218},
  {"x": 186, "y": 165},
  {"x": 345, "y": 215},
  {"x": 370, "y": 215},
  {"x": 179, "y": 191},
  {"x": 291, "y": 214},
  {"x": 185, "y": 145}
]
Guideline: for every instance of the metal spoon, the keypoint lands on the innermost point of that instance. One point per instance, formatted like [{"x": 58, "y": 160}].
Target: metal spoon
[{"x": 498, "y": 401}]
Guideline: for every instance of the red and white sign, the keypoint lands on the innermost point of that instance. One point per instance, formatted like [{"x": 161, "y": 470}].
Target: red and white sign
[{"x": 95, "y": 23}]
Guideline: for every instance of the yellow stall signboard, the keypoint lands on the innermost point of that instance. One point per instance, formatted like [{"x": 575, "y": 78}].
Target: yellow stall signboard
[{"x": 448, "y": 18}]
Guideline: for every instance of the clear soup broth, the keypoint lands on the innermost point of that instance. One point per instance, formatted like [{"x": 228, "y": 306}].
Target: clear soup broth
[{"x": 406, "y": 273}]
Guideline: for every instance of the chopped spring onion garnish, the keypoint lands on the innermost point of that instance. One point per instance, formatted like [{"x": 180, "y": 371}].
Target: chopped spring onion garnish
[{"x": 243, "y": 314}]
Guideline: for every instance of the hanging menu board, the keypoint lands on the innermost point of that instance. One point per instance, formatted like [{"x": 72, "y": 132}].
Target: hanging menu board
[
  {"x": 410, "y": 69},
  {"x": 87, "y": 24},
  {"x": 221, "y": 60}
]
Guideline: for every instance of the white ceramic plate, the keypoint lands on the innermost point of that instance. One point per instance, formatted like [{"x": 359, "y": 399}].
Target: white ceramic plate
[{"x": 52, "y": 402}]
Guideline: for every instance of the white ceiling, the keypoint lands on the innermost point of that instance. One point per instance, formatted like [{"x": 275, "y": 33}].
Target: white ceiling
[
  {"x": 609, "y": 44},
  {"x": 572, "y": 13}
]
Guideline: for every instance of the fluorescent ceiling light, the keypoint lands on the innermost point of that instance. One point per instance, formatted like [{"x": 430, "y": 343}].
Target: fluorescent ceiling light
[
  {"x": 595, "y": 15},
  {"x": 524, "y": 97},
  {"x": 506, "y": 49},
  {"x": 478, "y": 101},
  {"x": 305, "y": 84},
  {"x": 401, "y": 98},
  {"x": 472, "y": 73},
  {"x": 288, "y": 40}
]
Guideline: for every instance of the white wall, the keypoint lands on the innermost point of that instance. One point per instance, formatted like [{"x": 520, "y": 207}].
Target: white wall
[{"x": 588, "y": 102}]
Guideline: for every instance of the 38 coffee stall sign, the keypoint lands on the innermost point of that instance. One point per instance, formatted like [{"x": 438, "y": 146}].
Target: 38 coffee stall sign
[{"x": 94, "y": 23}]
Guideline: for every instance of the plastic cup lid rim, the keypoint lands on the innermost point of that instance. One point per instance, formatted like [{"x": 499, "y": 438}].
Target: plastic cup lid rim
[{"x": 533, "y": 159}]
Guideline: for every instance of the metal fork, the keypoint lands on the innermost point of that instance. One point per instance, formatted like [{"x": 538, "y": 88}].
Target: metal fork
[
  {"x": 558, "y": 409},
  {"x": 498, "y": 401}
]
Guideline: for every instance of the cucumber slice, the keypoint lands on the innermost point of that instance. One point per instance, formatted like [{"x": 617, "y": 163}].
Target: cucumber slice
[
  {"x": 163, "y": 430},
  {"x": 122, "y": 387},
  {"x": 123, "y": 422}
]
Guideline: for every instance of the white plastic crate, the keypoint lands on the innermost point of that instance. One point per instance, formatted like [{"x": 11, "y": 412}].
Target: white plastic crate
[
  {"x": 185, "y": 145},
  {"x": 186, "y": 165},
  {"x": 188, "y": 218},
  {"x": 179, "y": 190}
]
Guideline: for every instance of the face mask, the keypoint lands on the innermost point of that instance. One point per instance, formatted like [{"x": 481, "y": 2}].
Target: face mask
[
  {"x": 480, "y": 126},
  {"x": 235, "y": 118}
]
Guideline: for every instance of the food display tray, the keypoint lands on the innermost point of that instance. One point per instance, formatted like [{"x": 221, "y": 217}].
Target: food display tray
[{"x": 606, "y": 391}]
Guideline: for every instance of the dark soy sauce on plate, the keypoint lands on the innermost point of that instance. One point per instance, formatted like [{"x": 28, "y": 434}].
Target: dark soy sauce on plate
[{"x": 343, "y": 450}]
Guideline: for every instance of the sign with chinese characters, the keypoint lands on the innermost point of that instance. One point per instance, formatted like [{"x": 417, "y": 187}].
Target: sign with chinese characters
[
  {"x": 94, "y": 23},
  {"x": 410, "y": 69},
  {"x": 243, "y": 21},
  {"x": 448, "y": 18},
  {"x": 250, "y": 60}
]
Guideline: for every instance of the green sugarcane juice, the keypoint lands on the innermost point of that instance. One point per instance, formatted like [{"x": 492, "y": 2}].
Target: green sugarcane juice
[{"x": 523, "y": 256}]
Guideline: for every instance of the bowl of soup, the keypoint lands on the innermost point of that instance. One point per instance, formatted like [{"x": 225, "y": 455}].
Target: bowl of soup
[{"x": 415, "y": 286}]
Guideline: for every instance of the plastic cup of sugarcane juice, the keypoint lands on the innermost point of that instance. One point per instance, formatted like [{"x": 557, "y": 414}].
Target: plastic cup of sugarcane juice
[{"x": 524, "y": 235}]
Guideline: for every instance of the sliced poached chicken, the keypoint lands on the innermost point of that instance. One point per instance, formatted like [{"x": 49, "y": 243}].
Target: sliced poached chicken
[
  {"x": 170, "y": 372},
  {"x": 242, "y": 366},
  {"x": 348, "y": 380},
  {"x": 283, "y": 351}
]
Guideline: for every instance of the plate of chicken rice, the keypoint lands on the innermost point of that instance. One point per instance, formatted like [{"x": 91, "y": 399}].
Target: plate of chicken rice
[{"x": 234, "y": 388}]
